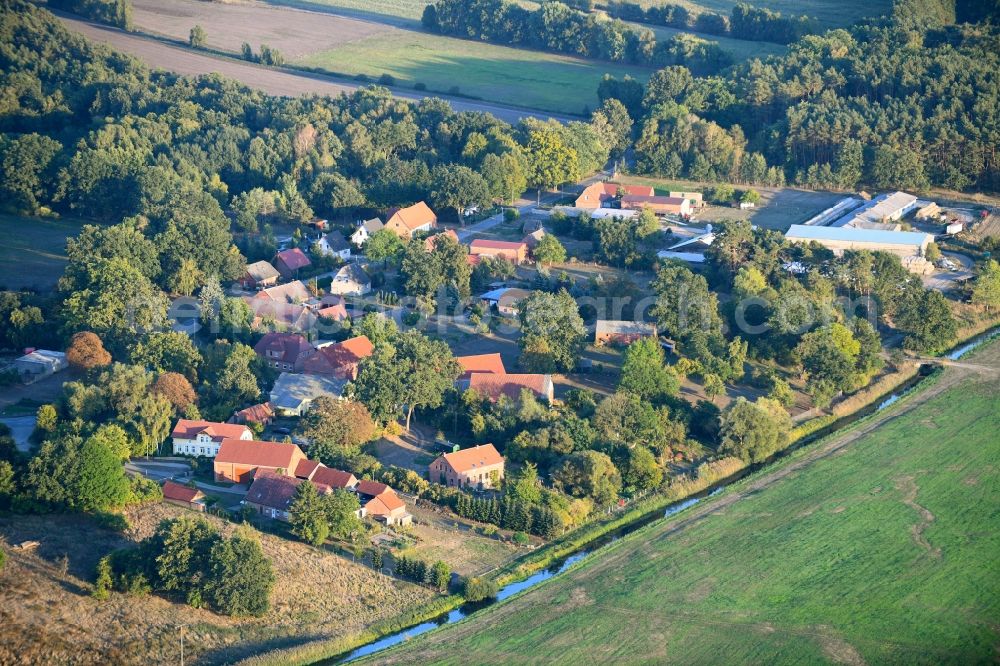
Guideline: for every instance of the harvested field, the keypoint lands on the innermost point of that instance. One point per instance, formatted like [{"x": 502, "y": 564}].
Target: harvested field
[
  {"x": 272, "y": 81},
  {"x": 48, "y": 616},
  {"x": 295, "y": 33}
]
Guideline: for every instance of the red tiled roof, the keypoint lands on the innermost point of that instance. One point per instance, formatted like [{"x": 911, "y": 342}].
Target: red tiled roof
[
  {"x": 289, "y": 345},
  {"x": 384, "y": 504},
  {"x": 257, "y": 413},
  {"x": 188, "y": 429},
  {"x": 371, "y": 488},
  {"x": 431, "y": 241},
  {"x": 493, "y": 386},
  {"x": 340, "y": 358},
  {"x": 334, "y": 478},
  {"x": 259, "y": 454},
  {"x": 272, "y": 490},
  {"x": 491, "y": 363},
  {"x": 603, "y": 191},
  {"x": 413, "y": 217},
  {"x": 484, "y": 455},
  {"x": 485, "y": 244},
  {"x": 305, "y": 468},
  {"x": 293, "y": 258},
  {"x": 179, "y": 493}
]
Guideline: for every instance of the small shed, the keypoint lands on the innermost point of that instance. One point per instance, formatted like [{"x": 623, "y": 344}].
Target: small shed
[{"x": 189, "y": 498}]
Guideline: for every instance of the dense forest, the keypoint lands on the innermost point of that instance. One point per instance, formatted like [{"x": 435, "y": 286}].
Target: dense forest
[{"x": 907, "y": 101}]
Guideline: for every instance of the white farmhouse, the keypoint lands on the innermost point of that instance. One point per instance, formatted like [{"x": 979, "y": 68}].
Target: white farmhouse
[{"x": 203, "y": 438}]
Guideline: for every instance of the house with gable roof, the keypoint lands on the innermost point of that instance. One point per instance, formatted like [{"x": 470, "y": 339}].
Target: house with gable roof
[
  {"x": 405, "y": 222},
  {"x": 479, "y": 467},
  {"x": 289, "y": 262},
  {"x": 204, "y": 438}
]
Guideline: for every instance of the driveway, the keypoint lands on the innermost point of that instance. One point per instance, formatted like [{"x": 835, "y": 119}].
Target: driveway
[
  {"x": 21, "y": 428},
  {"x": 945, "y": 280}
]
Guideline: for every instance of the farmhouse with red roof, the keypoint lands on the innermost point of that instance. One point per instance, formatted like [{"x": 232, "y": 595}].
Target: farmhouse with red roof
[
  {"x": 514, "y": 252},
  {"x": 340, "y": 359},
  {"x": 492, "y": 386},
  {"x": 405, "y": 222},
  {"x": 479, "y": 467},
  {"x": 203, "y": 438},
  {"x": 602, "y": 195},
  {"x": 283, "y": 351},
  {"x": 289, "y": 262}
]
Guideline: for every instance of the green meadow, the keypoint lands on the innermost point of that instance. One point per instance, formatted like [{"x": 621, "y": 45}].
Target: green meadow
[{"x": 882, "y": 553}]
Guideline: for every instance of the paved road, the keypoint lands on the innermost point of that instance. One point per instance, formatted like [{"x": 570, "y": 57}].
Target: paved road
[{"x": 284, "y": 82}]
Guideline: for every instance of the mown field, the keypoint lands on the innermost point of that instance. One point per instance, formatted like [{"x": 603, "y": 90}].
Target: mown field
[
  {"x": 532, "y": 79},
  {"x": 883, "y": 551},
  {"x": 829, "y": 13},
  {"x": 33, "y": 250}
]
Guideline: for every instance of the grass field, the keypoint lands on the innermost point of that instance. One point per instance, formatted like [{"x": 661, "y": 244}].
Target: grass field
[
  {"x": 830, "y": 13},
  {"x": 881, "y": 550},
  {"x": 740, "y": 49},
  {"x": 545, "y": 81},
  {"x": 33, "y": 250}
]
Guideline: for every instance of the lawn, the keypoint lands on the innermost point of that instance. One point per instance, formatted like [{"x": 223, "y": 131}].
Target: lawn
[
  {"x": 530, "y": 79},
  {"x": 883, "y": 552},
  {"x": 830, "y": 13},
  {"x": 33, "y": 250}
]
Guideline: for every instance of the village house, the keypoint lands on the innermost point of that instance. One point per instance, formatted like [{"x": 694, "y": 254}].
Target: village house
[
  {"x": 431, "y": 241},
  {"x": 283, "y": 351},
  {"x": 271, "y": 494},
  {"x": 488, "y": 363},
  {"x": 259, "y": 275},
  {"x": 289, "y": 262},
  {"x": 189, "y": 498},
  {"x": 350, "y": 280},
  {"x": 515, "y": 253},
  {"x": 332, "y": 307},
  {"x": 604, "y": 195},
  {"x": 262, "y": 414},
  {"x": 491, "y": 386},
  {"x": 659, "y": 205},
  {"x": 339, "y": 359},
  {"x": 293, "y": 394},
  {"x": 317, "y": 472},
  {"x": 203, "y": 438},
  {"x": 334, "y": 244},
  {"x": 505, "y": 299},
  {"x": 38, "y": 363},
  {"x": 381, "y": 503},
  {"x": 479, "y": 467},
  {"x": 365, "y": 230},
  {"x": 284, "y": 306},
  {"x": 238, "y": 460},
  {"x": 610, "y": 331},
  {"x": 696, "y": 199},
  {"x": 405, "y": 222}
]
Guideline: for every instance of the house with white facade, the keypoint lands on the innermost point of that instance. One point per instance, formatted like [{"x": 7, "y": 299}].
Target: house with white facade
[{"x": 202, "y": 439}]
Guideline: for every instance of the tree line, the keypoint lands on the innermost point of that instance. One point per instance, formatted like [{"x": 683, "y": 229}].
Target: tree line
[
  {"x": 744, "y": 21},
  {"x": 557, "y": 27},
  {"x": 113, "y": 12}
]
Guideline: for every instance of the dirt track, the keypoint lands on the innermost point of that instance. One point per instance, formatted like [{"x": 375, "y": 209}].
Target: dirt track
[{"x": 286, "y": 83}]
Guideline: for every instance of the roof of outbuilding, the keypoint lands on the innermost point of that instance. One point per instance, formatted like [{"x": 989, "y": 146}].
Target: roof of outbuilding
[
  {"x": 272, "y": 490},
  {"x": 493, "y": 386},
  {"x": 262, "y": 270},
  {"x": 179, "y": 493},
  {"x": 850, "y": 234},
  {"x": 260, "y": 454},
  {"x": 293, "y": 258},
  {"x": 492, "y": 363}
]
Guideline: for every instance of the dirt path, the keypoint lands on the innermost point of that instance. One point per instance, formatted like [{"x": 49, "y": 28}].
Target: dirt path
[
  {"x": 283, "y": 82},
  {"x": 908, "y": 486}
]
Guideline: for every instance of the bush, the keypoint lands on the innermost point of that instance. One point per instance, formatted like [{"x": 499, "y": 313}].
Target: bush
[
  {"x": 477, "y": 589},
  {"x": 3, "y": 558},
  {"x": 420, "y": 85},
  {"x": 521, "y": 539},
  {"x": 454, "y": 90},
  {"x": 115, "y": 522},
  {"x": 387, "y": 80},
  {"x": 511, "y": 214}
]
